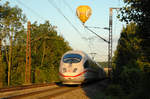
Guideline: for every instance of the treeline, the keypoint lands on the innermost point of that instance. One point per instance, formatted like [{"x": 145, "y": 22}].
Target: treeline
[
  {"x": 131, "y": 62},
  {"x": 103, "y": 64},
  {"x": 47, "y": 48}
]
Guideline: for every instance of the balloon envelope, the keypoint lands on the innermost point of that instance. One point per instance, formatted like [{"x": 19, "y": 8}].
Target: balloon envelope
[{"x": 83, "y": 12}]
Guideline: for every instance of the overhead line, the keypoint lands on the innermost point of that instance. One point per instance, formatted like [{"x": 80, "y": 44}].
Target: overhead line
[
  {"x": 96, "y": 34},
  {"x": 86, "y": 26},
  {"x": 55, "y": 6},
  {"x": 65, "y": 2},
  {"x": 70, "y": 8},
  {"x": 37, "y": 14},
  {"x": 88, "y": 39}
]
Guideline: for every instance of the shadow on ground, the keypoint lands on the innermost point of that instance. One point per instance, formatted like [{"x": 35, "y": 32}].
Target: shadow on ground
[{"x": 95, "y": 90}]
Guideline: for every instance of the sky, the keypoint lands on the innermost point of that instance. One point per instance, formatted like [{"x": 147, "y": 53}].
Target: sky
[{"x": 41, "y": 10}]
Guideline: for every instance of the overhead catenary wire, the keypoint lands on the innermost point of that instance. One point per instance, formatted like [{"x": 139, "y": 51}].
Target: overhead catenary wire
[
  {"x": 90, "y": 47},
  {"x": 71, "y": 10},
  {"x": 61, "y": 13},
  {"x": 96, "y": 34},
  {"x": 96, "y": 27},
  {"x": 33, "y": 11},
  {"x": 88, "y": 39},
  {"x": 66, "y": 3},
  {"x": 55, "y": 6}
]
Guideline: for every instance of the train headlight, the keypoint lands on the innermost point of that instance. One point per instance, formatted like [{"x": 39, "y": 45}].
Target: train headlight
[
  {"x": 75, "y": 69},
  {"x": 64, "y": 70}
]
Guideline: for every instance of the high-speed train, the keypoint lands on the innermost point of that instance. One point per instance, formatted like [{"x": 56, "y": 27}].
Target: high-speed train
[{"x": 76, "y": 67}]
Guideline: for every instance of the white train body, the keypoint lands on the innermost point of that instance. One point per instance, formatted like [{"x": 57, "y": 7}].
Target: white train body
[{"x": 77, "y": 67}]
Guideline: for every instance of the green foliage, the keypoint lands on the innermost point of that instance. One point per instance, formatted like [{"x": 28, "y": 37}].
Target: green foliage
[
  {"x": 115, "y": 92},
  {"x": 132, "y": 57},
  {"x": 135, "y": 10},
  {"x": 142, "y": 91},
  {"x": 103, "y": 64},
  {"x": 11, "y": 25},
  {"x": 128, "y": 67},
  {"x": 129, "y": 83},
  {"x": 47, "y": 48},
  {"x": 17, "y": 75},
  {"x": 41, "y": 75},
  {"x": 130, "y": 78},
  {"x": 128, "y": 50},
  {"x": 138, "y": 11}
]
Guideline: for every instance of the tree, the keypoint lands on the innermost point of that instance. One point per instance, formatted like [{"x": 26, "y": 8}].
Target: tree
[
  {"x": 1, "y": 67},
  {"x": 138, "y": 11},
  {"x": 127, "y": 53},
  {"x": 47, "y": 49},
  {"x": 11, "y": 22},
  {"x": 133, "y": 51},
  {"x": 128, "y": 48},
  {"x": 18, "y": 59}
]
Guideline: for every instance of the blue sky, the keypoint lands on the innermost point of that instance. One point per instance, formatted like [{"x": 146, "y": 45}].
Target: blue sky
[{"x": 41, "y": 10}]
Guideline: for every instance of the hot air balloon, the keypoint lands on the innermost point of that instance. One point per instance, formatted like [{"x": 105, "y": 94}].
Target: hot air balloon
[{"x": 83, "y": 12}]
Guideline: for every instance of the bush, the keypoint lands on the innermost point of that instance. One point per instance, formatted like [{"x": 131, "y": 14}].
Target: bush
[
  {"x": 114, "y": 91},
  {"x": 143, "y": 89},
  {"x": 130, "y": 79}
]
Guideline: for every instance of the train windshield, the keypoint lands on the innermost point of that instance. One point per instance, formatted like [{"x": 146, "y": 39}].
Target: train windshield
[{"x": 72, "y": 58}]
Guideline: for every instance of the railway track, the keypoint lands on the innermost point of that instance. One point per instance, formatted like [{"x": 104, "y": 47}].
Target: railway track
[
  {"x": 51, "y": 91},
  {"x": 34, "y": 91},
  {"x": 23, "y": 87}
]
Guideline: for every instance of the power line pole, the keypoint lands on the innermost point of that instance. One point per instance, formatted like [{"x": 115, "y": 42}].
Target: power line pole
[
  {"x": 28, "y": 55},
  {"x": 110, "y": 41}
]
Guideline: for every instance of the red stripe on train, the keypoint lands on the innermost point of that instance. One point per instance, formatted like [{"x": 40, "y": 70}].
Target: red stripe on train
[{"x": 73, "y": 76}]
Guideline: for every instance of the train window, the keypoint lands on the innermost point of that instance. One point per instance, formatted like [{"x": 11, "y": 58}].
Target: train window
[
  {"x": 72, "y": 58},
  {"x": 86, "y": 64}
]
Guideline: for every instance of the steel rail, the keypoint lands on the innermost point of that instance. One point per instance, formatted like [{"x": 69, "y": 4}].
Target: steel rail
[{"x": 25, "y": 89}]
